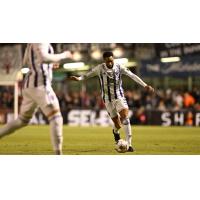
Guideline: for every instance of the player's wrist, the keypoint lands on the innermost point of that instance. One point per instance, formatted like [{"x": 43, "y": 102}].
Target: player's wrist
[
  {"x": 81, "y": 78},
  {"x": 66, "y": 54}
]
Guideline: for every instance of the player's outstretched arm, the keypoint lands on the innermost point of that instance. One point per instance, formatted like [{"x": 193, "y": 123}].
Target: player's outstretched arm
[
  {"x": 52, "y": 58},
  {"x": 25, "y": 59},
  {"x": 74, "y": 78},
  {"x": 137, "y": 79},
  {"x": 91, "y": 73},
  {"x": 48, "y": 58}
]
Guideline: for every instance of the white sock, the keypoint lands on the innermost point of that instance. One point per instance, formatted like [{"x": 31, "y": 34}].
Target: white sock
[
  {"x": 127, "y": 129},
  {"x": 56, "y": 126},
  {"x": 11, "y": 127}
]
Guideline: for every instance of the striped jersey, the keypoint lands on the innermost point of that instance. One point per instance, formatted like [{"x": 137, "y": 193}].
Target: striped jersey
[
  {"x": 39, "y": 58},
  {"x": 111, "y": 80}
]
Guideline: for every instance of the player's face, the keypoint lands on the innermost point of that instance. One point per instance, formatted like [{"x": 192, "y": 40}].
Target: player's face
[{"x": 109, "y": 62}]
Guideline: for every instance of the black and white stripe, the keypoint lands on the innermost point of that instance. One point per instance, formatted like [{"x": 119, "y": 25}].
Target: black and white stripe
[
  {"x": 28, "y": 79},
  {"x": 120, "y": 82},
  {"x": 108, "y": 87},
  {"x": 115, "y": 87},
  {"x": 34, "y": 68},
  {"x": 111, "y": 83},
  {"x": 44, "y": 76},
  {"x": 50, "y": 52},
  {"x": 102, "y": 86},
  {"x": 43, "y": 71}
]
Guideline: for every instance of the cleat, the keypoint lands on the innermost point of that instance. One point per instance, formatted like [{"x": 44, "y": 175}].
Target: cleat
[{"x": 130, "y": 149}]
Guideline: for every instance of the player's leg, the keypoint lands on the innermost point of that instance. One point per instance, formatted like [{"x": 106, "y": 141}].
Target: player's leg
[
  {"x": 11, "y": 127},
  {"x": 115, "y": 118},
  {"x": 123, "y": 110},
  {"x": 56, "y": 129},
  {"x": 26, "y": 111},
  {"x": 127, "y": 127},
  {"x": 49, "y": 105}
]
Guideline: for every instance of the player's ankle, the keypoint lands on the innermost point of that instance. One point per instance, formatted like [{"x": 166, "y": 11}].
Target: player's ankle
[{"x": 58, "y": 152}]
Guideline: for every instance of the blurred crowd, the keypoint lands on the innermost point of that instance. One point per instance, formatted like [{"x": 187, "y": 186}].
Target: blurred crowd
[
  {"x": 161, "y": 100},
  {"x": 6, "y": 98},
  {"x": 164, "y": 100}
]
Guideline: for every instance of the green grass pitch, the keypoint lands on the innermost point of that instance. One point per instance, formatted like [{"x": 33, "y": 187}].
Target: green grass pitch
[{"x": 149, "y": 140}]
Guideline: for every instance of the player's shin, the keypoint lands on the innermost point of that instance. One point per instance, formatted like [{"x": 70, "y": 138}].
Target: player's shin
[
  {"x": 56, "y": 126},
  {"x": 128, "y": 132},
  {"x": 12, "y": 126}
]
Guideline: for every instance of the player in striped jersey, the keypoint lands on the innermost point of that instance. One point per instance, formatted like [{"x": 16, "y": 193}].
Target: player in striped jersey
[
  {"x": 37, "y": 92},
  {"x": 110, "y": 76}
]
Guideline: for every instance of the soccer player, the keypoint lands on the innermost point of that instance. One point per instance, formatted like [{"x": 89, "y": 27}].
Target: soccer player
[
  {"x": 110, "y": 76},
  {"x": 37, "y": 92}
]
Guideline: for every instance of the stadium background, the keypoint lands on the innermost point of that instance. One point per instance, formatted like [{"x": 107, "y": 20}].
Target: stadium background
[{"x": 172, "y": 69}]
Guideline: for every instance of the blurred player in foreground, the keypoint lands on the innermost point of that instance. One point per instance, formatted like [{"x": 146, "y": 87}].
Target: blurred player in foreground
[
  {"x": 110, "y": 76},
  {"x": 37, "y": 92}
]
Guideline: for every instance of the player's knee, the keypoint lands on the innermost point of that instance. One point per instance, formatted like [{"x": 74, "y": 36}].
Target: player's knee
[
  {"x": 126, "y": 121},
  {"x": 50, "y": 110},
  {"x": 57, "y": 118},
  {"x": 124, "y": 113},
  {"x": 52, "y": 113}
]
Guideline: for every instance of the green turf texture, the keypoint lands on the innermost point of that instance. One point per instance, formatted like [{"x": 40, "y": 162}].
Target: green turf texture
[{"x": 149, "y": 140}]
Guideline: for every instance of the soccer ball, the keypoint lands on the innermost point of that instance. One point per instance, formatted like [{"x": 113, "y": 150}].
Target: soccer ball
[{"x": 122, "y": 146}]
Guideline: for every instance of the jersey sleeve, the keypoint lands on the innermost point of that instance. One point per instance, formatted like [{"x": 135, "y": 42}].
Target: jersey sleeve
[
  {"x": 134, "y": 77},
  {"x": 91, "y": 73},
  {"x": 43, "y": 51},
  {"x": 25, "y": 59}
]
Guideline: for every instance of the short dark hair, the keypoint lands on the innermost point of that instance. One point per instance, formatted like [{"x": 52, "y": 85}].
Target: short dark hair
[{"x": 107, "y": 54}]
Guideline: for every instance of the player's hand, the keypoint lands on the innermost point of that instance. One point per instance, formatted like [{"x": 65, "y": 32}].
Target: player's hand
[
  {"x": 68, "y": 54},
  {"x": 74, "y": 78},
  {"x": 56, "y": 65},
  {"x": 149, "y": 89}
]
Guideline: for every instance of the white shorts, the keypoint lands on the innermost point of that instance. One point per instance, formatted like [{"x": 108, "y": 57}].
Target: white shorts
[
  {"x": 115, "y": 106},
  {"x": 41, "y": 97}
]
